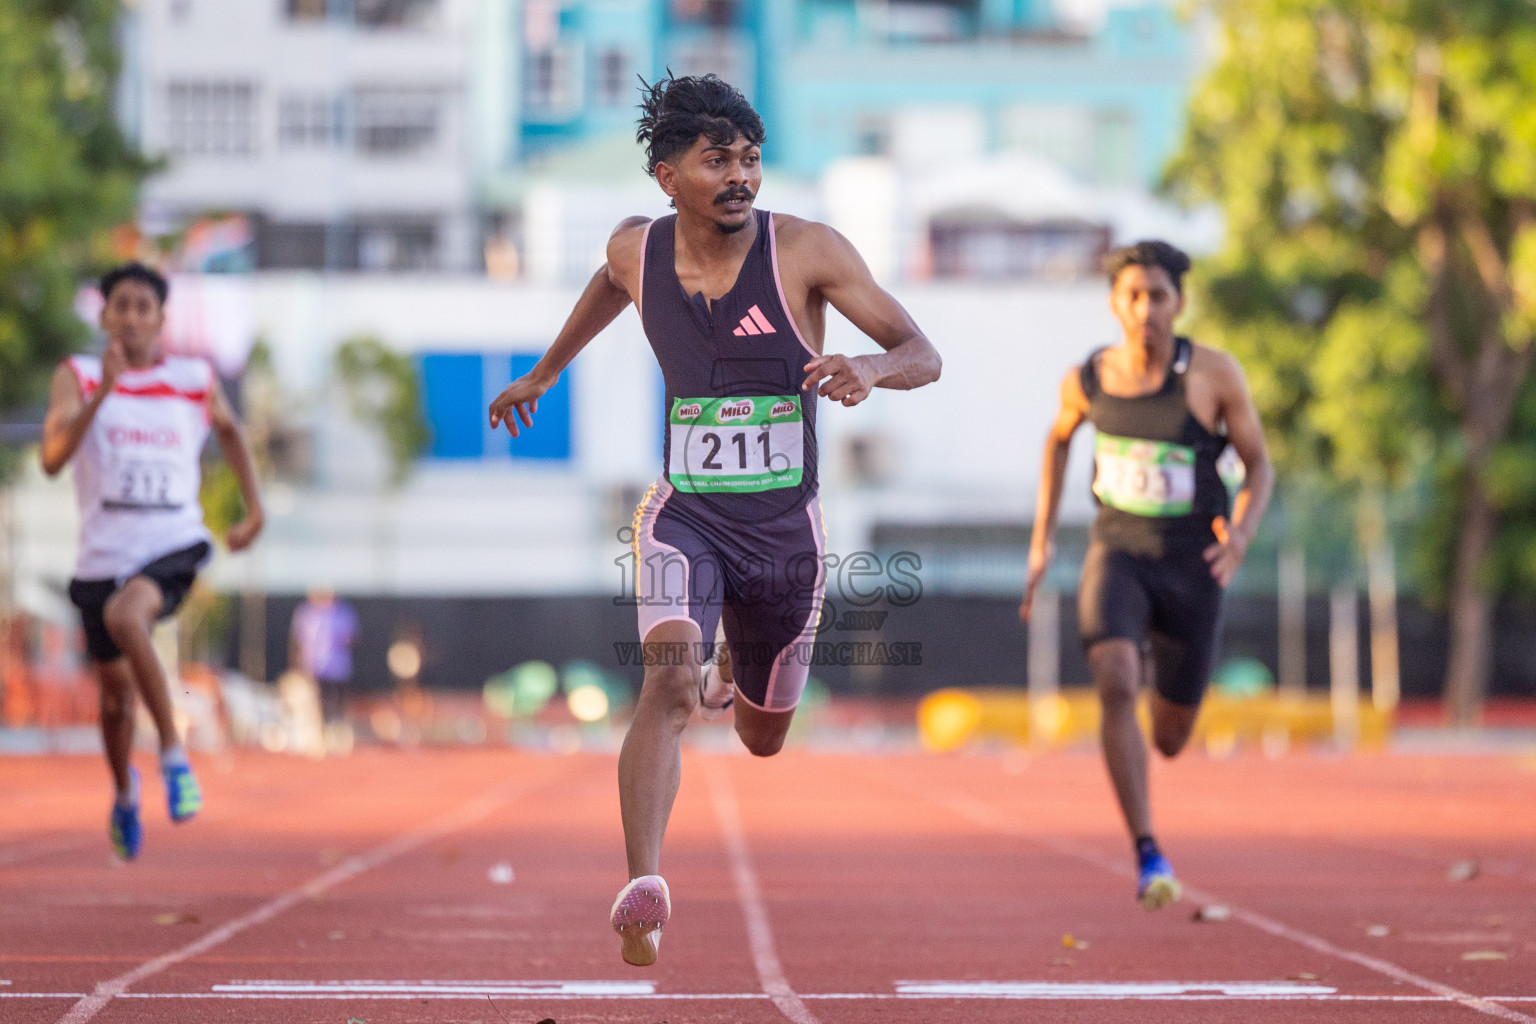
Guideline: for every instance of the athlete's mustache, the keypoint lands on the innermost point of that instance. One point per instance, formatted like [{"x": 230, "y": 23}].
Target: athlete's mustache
[{"x": 739, "y": 192}]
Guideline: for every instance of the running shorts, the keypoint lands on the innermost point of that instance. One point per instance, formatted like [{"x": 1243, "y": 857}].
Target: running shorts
[
  {"x": 763, "y": 579},
  {"x": 172, "y": 573},
  {"x": 1170, "y": 606}
]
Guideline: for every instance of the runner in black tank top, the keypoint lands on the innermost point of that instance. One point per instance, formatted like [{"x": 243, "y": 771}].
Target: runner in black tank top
[
  {"x": 1161, "y": 550},
  {"x": 733, "y": 303},
  {"x": 1155, "y": 476},
  {"x": 740, "y": 436},
  {"x": 733, "y": 528}
]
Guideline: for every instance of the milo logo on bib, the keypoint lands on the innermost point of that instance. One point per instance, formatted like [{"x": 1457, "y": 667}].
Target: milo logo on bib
[
  {"x": 738, "y": 411},
  {"x": 736, "y": 445},
  {"x": 1145, "y": 478}
]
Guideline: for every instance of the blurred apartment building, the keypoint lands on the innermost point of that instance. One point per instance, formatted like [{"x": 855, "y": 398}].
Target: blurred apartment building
[
  {"x": 411, "y": 135},
  {"x": 343, "y": 131},
  {"x": 442, "y": 174}
]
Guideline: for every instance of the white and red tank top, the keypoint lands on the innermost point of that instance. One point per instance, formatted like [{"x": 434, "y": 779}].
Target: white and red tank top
[{"x": 136, "y": 472}]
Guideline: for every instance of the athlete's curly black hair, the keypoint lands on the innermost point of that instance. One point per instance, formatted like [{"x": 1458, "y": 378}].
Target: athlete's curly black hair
[
  {"x": 676, "y": 111},
  {"x": 135, "y": 272},
  {"x": 1149, "y": 254}
]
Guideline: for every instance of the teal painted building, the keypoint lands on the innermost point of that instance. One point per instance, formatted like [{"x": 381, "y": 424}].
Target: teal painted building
[{"x": 906, "y": 78}]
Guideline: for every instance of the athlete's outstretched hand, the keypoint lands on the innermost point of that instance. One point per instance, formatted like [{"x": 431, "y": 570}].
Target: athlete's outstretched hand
[
  {"x": 1039, "y": 562},
  {"x": 522, "y": 395},
  {"x": 1226, "y": 556},
  {"x": 243, "y": 534},
  {"x": 843, "y": 379}
]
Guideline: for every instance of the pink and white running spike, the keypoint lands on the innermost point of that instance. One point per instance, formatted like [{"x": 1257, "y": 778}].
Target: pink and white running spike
[{"x": 641, "y": 910}]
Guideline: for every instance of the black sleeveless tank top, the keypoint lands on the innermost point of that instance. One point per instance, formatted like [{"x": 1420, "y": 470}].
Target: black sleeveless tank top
[
  {"x": 1155, "y": 478},
  {"x": 740, "y": 434}
]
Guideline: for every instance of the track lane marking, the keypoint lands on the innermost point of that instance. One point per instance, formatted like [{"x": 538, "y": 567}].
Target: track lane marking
[
  {"x": 495, "y": 988},
  {"x": 770, "y": 972},
  {"x": 981, "y": 813},
  {"x": 1338, "y": 997},
  {"x": 468, "y": 814}
]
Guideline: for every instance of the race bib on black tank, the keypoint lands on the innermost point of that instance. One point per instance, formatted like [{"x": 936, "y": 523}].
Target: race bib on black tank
[
  {"x": 1145, "y": 478},
  {"x": 736, "y": 445}
]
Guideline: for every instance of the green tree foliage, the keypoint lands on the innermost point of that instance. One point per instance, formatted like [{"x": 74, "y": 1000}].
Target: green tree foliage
[
  {"x": 67, "y": 178},
  {"x": 383, "y": 388},
  {"x": 1376, "y": 164}
]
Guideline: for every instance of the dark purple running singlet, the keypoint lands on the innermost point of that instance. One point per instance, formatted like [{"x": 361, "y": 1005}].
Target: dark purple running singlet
[
  {"x": 732, "y": 533},
  {"x": 740, "y": 434}
]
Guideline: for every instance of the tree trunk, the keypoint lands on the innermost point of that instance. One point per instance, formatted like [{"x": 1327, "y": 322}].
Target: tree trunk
[{"x": 1467, "y": 670}]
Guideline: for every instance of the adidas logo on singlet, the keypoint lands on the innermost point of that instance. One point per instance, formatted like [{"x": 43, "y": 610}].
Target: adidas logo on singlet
[{"x": 754, "y": 323}]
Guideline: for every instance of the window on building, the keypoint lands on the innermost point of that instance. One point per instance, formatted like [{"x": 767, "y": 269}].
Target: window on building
[
  {"x": 310, "y": 120},
  {"x": 718, "y": 13},
  {"x": 727, "y": 54},
  {"x": 396, "y": 122},
  {"x": 1114, "y": 148},
  {"x": 211, "y": 118},
  {"x": 981, "y": 245},
  {"x": 614, "y": 82},
  {"x": 394, "y": 13},
  {"x": 930, "y": 20},
  {"x": 291, "y": 246},
  {"x": 872, "y": 135},
  {"x": 372, "y": 244},
  {"x": 368, "y": 13},
  {"x": 554, "y": 84},
  {"x": 397, "y": 244},
  {"x": 309, "y": 10},
  {"x": 457, "y": 387},
  {"x": 1060, "y": 133}
]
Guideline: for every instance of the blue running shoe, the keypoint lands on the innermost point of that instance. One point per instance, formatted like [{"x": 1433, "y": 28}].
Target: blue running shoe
[
  {"x": 182, "y": 792},
  {"x": 127, "y": 834},
  {"x": 1156, "y": 888}
]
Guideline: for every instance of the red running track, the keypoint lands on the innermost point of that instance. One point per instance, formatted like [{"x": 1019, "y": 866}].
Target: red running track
[{"x": 809, "y": 887}]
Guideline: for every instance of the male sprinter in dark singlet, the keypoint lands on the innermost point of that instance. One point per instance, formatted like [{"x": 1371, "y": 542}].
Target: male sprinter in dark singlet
[
  {"x": 733, "y": 301},
  {"x": 1162, "y": 551}
]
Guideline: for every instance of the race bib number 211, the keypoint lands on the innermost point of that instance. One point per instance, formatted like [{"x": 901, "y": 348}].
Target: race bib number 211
[{"x": 736, "y": 444}]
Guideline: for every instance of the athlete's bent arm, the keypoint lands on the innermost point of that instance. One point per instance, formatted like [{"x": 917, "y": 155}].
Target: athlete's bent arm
[
  {"x": 601, "y": 301},
  {"x": 1053, "y": 472},
  {"x": 834, "y": 268},
  {"x": 69, "y": 414},
  {"x": 221, "y": 419},
  {"x": 1246, "y": 435}
]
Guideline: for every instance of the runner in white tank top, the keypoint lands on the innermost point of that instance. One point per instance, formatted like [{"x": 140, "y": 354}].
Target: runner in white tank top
[
  {"x": 133, "y": 422},
  {"x": 136, "y": 470}
]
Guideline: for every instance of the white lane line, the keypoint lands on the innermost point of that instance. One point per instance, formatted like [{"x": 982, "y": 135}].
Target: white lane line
[
  {"x": 770, "y": 973},
  {"x": 1376, "y": 964},
  {"x": 984, "y": 814},
  {"x": 494, "y": 988},
  {"x": 445, "y": 996},
  {"x": 1110, "y": 989},
  {"x": 1207, "y": 997},
  {"x": 468, "y": 814}
]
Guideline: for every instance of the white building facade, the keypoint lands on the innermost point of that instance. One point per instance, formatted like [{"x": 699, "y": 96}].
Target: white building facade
[{"x": 349, "y": 134}]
